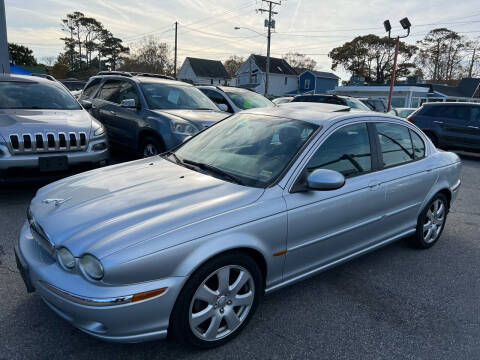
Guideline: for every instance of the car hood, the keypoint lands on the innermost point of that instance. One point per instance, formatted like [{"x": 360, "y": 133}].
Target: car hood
[
  {"x": 198, "y": 117},
  {"x": 42, "y": 121},
  {"x": 106, "y": 210}
]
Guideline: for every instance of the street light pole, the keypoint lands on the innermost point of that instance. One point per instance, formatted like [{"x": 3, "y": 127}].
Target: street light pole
[{"x": 388, "y": 28}]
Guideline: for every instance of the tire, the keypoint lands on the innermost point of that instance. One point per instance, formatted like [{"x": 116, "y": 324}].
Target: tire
[
  {"x": 431, "y": 222},
  {"x": 150, "y": 146},
  {"x": 224, "y": 310}
]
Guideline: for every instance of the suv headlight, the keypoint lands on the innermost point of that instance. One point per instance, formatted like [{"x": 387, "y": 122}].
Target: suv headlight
[
  {"x": 66, "y": 258},
  {"x": 184, "y": 128},
  {"x": 97, "y": 129},
  {"x": 91, "y": 266}
]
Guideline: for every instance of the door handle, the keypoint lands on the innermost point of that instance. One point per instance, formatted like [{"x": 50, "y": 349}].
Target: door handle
[
  {"x": 473, "y": 127},
  {"x": 438, "y": 122},
  {"x": 374, "y": 185},
  {"x": 113, "y": 112}
]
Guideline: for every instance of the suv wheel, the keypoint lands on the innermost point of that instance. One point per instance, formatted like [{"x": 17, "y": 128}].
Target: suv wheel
[{"x": 150, "y": 146}]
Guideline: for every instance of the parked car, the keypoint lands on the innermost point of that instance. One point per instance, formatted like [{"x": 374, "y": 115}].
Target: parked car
[
  {"x": 450, "y": 125},
  {"x": 147, "y": 113},
  {"x": 233, "y": 99},
  {"x": 332, "y": 99},
  {"x": 404, "y": 112},
  {"x": 375, "y": 104},
  {"x": 73, "y": 84},
  {"x": 188, "y": 242},
  {"x": 43, "y": 129},
  {"x": 282, "y": 100}
]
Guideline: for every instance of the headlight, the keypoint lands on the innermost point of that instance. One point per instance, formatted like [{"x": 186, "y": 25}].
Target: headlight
[
  {"x": 91, "y": 266},
  {"x": 97, "y": 128},
  {"x": 65, "y": 258},
  {"x": 184, "y": 128}
]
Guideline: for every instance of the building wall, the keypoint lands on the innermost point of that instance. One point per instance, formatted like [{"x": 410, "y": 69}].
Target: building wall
[
  {"x": 322, "y": 85},
  {"x": 186, "y": 72},
  {"x": 305, "y": 78}
]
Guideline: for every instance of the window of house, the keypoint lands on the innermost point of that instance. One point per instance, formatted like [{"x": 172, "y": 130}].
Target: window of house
[
  {"x": 395, "y": 144},
  {"x": 347, "y": 151},
  {"x": 211, "y": 81},
  {"x": 307, "y": 84},
  {"x": 286, "y": 80}
]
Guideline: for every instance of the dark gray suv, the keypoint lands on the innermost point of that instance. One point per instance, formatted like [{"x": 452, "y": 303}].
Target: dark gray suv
[
  {"x": 148, "y": 113},
  {"x": 450, "y": 125}
]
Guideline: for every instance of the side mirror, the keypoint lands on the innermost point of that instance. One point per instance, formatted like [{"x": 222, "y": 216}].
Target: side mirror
[
  {"x": 223, "y": 107},
  {"x": 324, "y": 179},
  {"x": 86, "y": 104},
  {"x": 128, "y": 103}
]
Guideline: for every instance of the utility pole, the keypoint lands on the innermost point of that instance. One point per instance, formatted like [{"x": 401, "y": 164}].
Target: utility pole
[
  {"x": 4, "y": 58},
  {"x": 270, "y": 24},
  {"x": 470, "y": 71},
  {"x": 175, "y": 58}
]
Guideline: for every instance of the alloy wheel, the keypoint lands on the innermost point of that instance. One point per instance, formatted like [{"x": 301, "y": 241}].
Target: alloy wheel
[
  {"x": 434, "y": 221},
  {"x": 221, "y": 303}
]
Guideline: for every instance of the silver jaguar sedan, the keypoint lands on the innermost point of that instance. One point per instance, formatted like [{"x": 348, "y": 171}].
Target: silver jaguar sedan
[{"x": 189, "y": 241}]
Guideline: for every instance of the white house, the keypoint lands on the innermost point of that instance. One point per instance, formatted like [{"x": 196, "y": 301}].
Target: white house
[
  {"x": 203, "y": 72},
  {"x": 282, "y": 77}
]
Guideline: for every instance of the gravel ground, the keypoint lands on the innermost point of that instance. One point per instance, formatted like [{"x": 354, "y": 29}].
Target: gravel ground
[{"x": 395, "y": 303}]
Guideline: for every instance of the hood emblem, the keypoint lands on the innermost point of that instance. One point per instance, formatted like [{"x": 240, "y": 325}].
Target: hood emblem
[{"x": 57, "y": 202}]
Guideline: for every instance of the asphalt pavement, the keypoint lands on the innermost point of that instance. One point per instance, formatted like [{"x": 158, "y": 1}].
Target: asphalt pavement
[{"x": 395, "y": 303}]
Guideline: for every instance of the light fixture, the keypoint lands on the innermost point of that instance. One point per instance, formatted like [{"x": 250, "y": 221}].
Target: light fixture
[
  {"x": 405, "y": 23},
  {"x": 387, "y": 26}
]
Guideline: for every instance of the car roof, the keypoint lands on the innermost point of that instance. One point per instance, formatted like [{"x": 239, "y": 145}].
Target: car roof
[
  {"x": 26, "y": 78},
  {"x": 450, "y": 103},
  {"x": 140, "y": 78},
  {"x": 316, "y": 113}
]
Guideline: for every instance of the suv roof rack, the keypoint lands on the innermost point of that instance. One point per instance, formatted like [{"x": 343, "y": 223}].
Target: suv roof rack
[
  {"x": 160, "y": 76},
  {"x": 121, "y": 73}
]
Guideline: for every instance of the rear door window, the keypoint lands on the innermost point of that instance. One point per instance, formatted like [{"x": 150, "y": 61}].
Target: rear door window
[{"x": 395, "y": 144}]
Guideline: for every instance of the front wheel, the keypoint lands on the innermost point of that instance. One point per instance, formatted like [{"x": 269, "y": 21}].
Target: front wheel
[
  {"x": 217, "y": 301},
  {"x": 150, "y": 146},
  {"x": 431, "y": 222}
]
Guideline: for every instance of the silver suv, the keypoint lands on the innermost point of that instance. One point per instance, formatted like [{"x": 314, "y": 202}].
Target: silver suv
[{"x": 44, "y": 129}]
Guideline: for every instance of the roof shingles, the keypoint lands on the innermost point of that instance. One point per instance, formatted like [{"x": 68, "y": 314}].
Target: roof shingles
[{"x": 208, "y": 68}]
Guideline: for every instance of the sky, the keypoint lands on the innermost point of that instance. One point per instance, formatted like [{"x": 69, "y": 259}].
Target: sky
[{"x": 206, "y": 27}]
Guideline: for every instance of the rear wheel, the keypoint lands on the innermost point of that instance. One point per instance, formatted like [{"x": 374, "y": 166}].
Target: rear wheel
[
  {"x": 217, "y": 301},
  {"x": 431, "y": 222},
  {"x": 150, "y": 146}
]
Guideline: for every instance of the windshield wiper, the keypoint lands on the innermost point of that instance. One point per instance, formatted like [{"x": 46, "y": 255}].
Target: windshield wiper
[
  {"x": 215, "y": 170},
  {"x": 175, "y": 157}
]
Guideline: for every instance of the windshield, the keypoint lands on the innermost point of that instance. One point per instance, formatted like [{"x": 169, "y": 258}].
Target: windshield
[
  {"x": 356, "y": 104},
  {"x": 167, "y": 96},
  {"x": 253, "y": 149},
  {"x": 245, "y": 99},
  {"x": 33, "y": 95}
]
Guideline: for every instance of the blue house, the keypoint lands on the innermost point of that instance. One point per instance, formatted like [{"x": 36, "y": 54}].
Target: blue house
[{"x": 316, "y": 82}]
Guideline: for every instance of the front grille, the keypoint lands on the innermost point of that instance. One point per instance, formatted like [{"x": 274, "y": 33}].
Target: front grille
[{"x": 48, "y": 142}]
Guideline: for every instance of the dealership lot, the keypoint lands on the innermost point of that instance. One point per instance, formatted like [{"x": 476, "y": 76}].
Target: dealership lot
[{"x": 394, "y": 303}]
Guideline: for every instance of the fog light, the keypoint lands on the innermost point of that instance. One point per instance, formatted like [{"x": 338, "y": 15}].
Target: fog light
[
  {"x": 66, "y": 258},
  {"x": 99, "y": 146}
]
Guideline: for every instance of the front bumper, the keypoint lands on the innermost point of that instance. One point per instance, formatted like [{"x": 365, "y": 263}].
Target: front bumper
[{"x": 99, "y": 309}]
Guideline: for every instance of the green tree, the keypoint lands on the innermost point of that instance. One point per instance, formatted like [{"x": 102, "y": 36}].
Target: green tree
[
  {"x": 61, "y": 68},
  {"x": 112, "y": 49},
  {"x": 21, "y": 55},
  {"x": 441, "y": 54},
  {"x": 371, "y": 56}
]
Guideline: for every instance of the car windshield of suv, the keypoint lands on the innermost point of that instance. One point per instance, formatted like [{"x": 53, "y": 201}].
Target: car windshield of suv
[
  {"x": 34, "y": 95},
  {"x": 356, "y": 104},
  {"x": 250, "y": 150},
  {"x": 245, "y": 99},
  {"x": 167, "y": 96}
]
